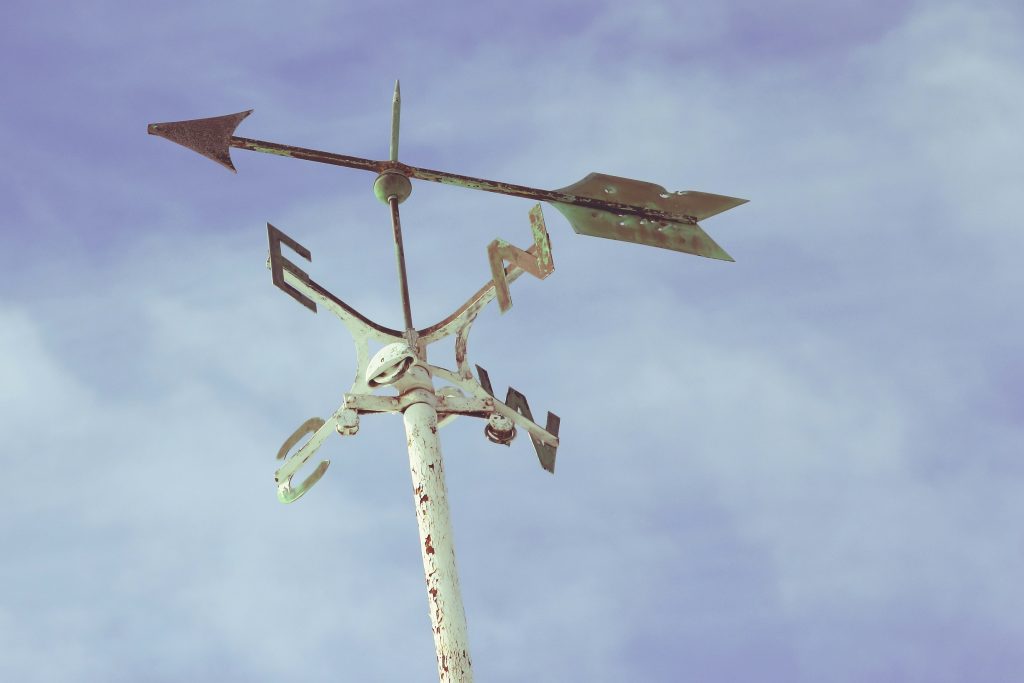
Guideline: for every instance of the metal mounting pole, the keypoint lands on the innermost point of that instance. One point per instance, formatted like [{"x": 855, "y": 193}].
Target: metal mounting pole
[{"x": 447, "y": 616}]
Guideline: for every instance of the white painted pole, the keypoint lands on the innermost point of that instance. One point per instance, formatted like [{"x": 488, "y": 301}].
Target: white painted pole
[{"x": 447, "y": 616}]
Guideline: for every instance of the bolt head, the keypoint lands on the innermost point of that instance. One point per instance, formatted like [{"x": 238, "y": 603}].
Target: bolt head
[{"x": 500, "y": 429}]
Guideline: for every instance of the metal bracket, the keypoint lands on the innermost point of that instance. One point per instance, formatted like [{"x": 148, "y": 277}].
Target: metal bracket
[
  {"x": 465, "y": 396},
  {"x": 344, "y": 421}
]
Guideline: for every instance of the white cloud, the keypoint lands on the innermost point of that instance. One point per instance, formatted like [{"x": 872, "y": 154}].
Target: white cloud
[{"x": 774, "y": 455}]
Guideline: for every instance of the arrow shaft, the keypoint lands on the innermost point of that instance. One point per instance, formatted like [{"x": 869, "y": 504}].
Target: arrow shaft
[
  {"x": 472, "y": 183},
  {"x": 308, "y": 154},
  {"x": 455, "y": 179},
  {"x": 550, "y": 196}
]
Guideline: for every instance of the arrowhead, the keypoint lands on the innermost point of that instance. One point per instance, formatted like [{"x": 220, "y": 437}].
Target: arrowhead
[{"x": 210, "y": 137}]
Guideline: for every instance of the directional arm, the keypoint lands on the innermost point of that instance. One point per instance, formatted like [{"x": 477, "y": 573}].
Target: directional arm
[
  {"x": 599, "y": 205},
  {"x": 461, "y": 321},
  {"x": 297, "y": 284},
  {"x": 475, "y": 389}
]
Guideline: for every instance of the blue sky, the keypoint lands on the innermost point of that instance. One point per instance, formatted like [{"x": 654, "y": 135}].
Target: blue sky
[{"x": 802, "y": 466}]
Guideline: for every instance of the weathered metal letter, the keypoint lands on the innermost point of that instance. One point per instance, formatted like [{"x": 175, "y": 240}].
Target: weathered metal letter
[
  {"x": 517, "y": 402},
  {"x": 538, "y": 264},
  {"x": 320, "y": 429},
  {"x": 279, "y": 264},
  {"x": 545, "y": 453}
]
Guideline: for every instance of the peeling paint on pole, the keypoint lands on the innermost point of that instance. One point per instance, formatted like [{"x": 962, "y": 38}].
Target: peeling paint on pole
[{"x": 437, "y": 545}]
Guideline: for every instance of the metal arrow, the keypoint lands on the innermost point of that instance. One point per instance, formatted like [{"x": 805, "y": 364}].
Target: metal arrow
[{"x": 599, "y": 205}]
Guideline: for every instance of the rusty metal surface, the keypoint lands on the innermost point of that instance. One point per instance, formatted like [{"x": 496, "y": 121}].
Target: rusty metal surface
[
  {"x": 459, "y": 323},
  {"x": 312, "y": 155},
  {"x": 649, "y": 206},
  {"x": 433, "y": 520},
  {"x": 445, "y": 404},
  {"x": 210, "y": 137},
  {"x": 371, "y": 403},
  {"x": 361, "y": 328},
  {"x": 462, "y": 318},
  {"x": 279, "y": 264},
  {"x": 538, "y": 262},
  {"x": 537, "y": 257},
  {"x": 685, "y": 237},
  {"x": 500, "y": 430},
  {"x": 682, "y": 206},
  {"x": 618, "y": 197},
  {"x": 309, "y": 288},
  {"x": 464, "y": 405},
  {"x": 680, "y": 233},
  {"x": 420, "y": 407},
  {"x": 474, "y": 388},
  {"x": 516, "y": 401},
  {"x": 403, "y": 277},
  {"x": 545, "y": 451}
]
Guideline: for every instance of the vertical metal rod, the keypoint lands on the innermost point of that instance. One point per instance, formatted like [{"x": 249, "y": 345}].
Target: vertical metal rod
[
  {"x": 403, "y": 280},
  {"x": 393, "y": 201},
  {"x": 447, "y": 616}
]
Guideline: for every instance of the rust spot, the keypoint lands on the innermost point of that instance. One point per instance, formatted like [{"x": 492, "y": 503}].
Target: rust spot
[
  {"x": 424, "y": 498},
  {"x": 428, "y": 546},
  {"x": 211, "y": 137},
  {"x": 433, "y": 592}
]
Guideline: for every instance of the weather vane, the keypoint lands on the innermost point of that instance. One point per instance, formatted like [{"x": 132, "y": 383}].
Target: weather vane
[{"x": 599, "y": 205}]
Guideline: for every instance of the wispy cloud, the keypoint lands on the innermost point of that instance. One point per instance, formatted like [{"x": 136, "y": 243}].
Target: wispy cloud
[{"x": 801, "y": 466}]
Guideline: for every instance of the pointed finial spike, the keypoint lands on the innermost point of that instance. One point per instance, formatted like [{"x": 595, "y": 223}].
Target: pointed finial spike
[{"x": 396, "y": 114}]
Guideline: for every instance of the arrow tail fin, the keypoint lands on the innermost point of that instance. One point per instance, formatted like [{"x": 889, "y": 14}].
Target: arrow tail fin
[
  {"x": 703, "y": 205},
  {"x": 689, "y": 238}
]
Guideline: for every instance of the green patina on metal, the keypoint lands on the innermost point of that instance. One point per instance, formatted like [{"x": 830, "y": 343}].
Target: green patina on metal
[
  {"x": 541, "y": 240},
  {"x": 685, "y": 237},
  {"x": 271, "y": 150}
]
